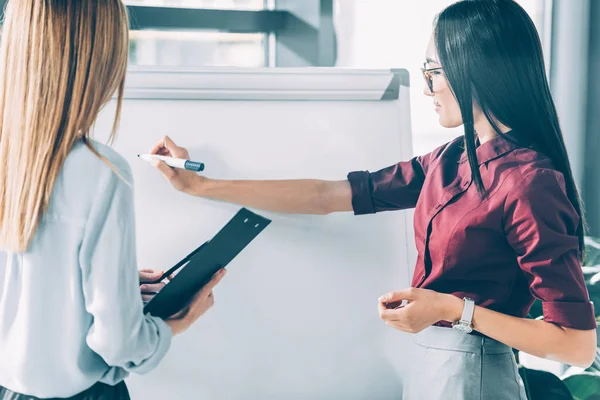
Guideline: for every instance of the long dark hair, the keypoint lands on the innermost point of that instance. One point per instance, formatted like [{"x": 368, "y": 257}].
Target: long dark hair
[{"x": 492, "y": 54}]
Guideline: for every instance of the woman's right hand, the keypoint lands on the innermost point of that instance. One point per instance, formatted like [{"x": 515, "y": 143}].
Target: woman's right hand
[
  {"x": 200, "y": 304},
  {"x": 181, "y": 179},
  {"x": 298, "y": 196}
]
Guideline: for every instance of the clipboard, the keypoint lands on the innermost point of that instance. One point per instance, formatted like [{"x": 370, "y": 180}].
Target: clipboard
[{"x": 200, "y": 265}]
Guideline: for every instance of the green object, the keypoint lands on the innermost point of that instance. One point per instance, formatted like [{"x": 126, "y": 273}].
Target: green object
[
  {"x": 584, "y": 386},
  {"x": 592, "y": 250},
  {"x": 544, "y": 385}
]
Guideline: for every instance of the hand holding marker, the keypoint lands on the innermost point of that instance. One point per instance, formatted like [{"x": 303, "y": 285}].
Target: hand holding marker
[{"x": 174, "y": 162}]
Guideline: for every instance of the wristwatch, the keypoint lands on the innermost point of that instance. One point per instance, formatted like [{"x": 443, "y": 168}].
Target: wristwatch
[{"x": 465, "y": 324}]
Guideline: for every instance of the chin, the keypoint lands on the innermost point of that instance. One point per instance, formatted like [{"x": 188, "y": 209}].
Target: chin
[{"x": 450, "y": 122}]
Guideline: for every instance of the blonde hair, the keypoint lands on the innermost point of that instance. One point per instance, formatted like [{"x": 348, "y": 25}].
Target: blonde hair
[{"x": 60, "y": 63}]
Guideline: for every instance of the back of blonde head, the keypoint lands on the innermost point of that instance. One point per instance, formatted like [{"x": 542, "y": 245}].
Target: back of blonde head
[{"x": 60, "y": 63}]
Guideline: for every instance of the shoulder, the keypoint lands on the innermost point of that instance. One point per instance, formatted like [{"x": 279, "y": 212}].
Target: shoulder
[
  {"x": 537, "y": 190},
  {"x": 108, "y": 161},
  {"x": 96, "y": 162},
  {"x": 530, "y": 170},
  {"x": 89, "y": 176},
  {"x": 450, "y": 151}
]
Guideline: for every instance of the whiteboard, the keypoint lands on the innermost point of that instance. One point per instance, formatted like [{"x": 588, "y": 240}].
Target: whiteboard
[{"x": 296, "y": 316}]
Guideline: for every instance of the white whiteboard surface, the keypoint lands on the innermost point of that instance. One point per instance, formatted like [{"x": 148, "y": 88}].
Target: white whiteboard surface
[{"x": 296, "y": 316}]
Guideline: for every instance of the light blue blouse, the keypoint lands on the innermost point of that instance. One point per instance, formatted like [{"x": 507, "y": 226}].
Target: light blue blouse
[{"x": 70, "y": 307}]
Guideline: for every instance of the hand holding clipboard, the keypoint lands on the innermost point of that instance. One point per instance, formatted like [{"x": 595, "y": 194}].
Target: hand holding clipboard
[
  {"x": 198, "y": 268},
  {"x": 201, "y": 303}
]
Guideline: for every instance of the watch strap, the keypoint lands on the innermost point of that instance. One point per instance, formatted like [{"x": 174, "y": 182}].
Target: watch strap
[{"x": 468, "y": 310}]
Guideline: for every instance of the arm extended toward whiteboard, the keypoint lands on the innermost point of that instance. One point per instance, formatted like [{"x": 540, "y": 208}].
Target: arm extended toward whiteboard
[{"x": 301, "y": 196}]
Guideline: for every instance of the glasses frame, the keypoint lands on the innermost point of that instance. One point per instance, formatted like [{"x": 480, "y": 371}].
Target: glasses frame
[{"x": 427, "y": 75}]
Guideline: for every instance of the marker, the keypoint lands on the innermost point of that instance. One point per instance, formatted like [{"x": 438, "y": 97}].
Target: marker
[{"x": 175, "y": 162}]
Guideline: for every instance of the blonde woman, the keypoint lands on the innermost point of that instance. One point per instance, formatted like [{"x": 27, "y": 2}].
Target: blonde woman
[{"x": 71, "y": 319}]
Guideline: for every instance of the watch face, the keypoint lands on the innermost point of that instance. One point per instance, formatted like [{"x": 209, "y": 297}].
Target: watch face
[{"x": 463, "y": 328}]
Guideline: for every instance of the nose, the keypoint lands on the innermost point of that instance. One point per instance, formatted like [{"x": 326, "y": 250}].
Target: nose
[{"x": 427, "y": 92}]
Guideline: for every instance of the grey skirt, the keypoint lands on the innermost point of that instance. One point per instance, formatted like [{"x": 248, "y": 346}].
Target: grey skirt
[
  {"x": 457, "y": 366},
  {"x": 99, "y": 391}
]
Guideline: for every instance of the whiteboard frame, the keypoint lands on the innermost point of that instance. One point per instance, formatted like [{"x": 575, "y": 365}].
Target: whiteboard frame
[{"x": 218, "y": 83}]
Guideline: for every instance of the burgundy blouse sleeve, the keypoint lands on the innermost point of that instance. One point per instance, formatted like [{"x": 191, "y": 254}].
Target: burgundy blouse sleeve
[
  {"x": 393, "y": 188},
  {"x": 540, "y": 224}
]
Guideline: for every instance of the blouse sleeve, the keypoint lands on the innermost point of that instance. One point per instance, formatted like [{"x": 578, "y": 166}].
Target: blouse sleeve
[
  {"x": 541, "y": 225},
  {"x": 393, "y": 188}
]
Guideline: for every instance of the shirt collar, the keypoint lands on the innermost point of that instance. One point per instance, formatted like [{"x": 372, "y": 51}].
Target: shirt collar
[{"x": 494, "y": 148}]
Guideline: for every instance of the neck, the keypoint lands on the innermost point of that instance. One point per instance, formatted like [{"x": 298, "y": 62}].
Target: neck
[{"x": 485, "y": 130}]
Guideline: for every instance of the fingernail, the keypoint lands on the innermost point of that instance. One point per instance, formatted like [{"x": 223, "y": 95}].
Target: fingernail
[
  {"x": 383, "y": 298},
  {"x": 144, "y": 287}
]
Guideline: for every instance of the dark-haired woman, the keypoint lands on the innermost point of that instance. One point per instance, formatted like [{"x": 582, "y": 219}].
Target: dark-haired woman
[{"x": 498, "y": 221}]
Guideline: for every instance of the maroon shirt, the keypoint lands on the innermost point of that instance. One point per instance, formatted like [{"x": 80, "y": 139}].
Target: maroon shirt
[{"x": 518, "y": 244}]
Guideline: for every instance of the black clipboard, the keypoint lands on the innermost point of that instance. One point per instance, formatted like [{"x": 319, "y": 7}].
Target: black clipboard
[{"x": 200, "y": 265}]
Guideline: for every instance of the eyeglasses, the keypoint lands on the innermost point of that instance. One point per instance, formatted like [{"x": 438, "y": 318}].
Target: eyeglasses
[{"x": 428, "y": 74}]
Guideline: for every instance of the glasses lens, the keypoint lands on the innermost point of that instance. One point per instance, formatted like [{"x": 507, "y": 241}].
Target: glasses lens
[{"x": 428, "y": 80}]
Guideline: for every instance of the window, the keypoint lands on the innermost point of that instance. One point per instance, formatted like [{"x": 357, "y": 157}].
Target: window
[
  {"x": 181, "y": 47},
  {"x": 214, "y": 4},
  {"x": 395, "y": 34}
]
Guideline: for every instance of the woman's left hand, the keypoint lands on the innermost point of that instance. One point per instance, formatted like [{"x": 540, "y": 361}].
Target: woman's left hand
[
  {"x": 148, "y": 289},
  {"x": 423, "y": 308}
]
